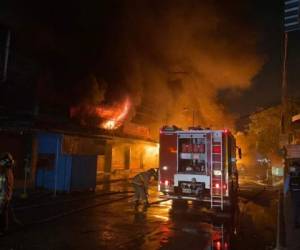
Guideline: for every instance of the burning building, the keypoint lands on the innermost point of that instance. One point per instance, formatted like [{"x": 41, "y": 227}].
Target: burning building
[
  {"x": 106, "y": 117},
  {"x": 146, "y": 63}
]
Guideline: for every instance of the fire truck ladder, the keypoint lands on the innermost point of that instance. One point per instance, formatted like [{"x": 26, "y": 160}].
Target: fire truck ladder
[{"x": 216, "y": 192}]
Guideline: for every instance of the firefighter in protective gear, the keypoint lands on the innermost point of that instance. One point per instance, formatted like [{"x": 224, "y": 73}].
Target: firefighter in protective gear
[
  {"x": 140, "y": 185},
  {"x": 6, "y": 189}
]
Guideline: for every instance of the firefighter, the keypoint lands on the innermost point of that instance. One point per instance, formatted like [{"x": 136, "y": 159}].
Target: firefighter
[
  {"x": 6, "y": 189},
  {"x": 140, "y": 185}
]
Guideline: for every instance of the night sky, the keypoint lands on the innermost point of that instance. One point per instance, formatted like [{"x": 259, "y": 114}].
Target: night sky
[
  {"x": 153, "y": 51},
  {"x": 265, "y": 90}
]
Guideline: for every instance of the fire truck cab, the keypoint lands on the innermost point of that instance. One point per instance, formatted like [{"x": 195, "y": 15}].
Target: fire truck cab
[{"x": 198, "y": 164}]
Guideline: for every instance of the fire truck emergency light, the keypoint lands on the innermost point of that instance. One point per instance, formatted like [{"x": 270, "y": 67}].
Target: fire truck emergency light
[
  {"x": 218, "y": 186},
  {"x": 165, "y": 168}
]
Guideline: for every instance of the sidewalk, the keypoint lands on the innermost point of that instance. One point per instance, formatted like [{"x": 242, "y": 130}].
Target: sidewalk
[{"x": 292, "y": 235}]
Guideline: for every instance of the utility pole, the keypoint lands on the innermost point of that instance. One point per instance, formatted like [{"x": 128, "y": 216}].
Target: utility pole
[{"x": 284, "y": 93}]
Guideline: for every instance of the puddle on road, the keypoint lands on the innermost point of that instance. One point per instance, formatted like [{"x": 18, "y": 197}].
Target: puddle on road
[
  {"x": 257, "y": 225},
  {"x": 252, "y": 227},
  {"x": 189, "y": 227},
  {"x": 182, "y": 228},
  {"x": 118, "y": 226}
]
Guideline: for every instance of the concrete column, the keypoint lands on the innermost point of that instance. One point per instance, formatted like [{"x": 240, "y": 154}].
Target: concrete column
[
  {"x": 127, "y": 155},
  {"x": 34, "y": 158},
  {"x": 107, "y": 166},
  {"x": 142, "y": 160},
  {"x": 107, "y": 158}
]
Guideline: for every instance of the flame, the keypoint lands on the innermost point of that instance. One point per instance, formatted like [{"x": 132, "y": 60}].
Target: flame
[
  {"x": 111, "y": 117},
  {"x": 115, "y": 115},
  {"x": 111, "y": 124}
]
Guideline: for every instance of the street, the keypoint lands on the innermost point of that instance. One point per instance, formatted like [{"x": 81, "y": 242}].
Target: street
[{"x": 108, "y": 221}]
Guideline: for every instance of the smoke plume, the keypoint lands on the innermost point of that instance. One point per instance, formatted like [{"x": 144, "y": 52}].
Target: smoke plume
[{"x": 170, "y": 57}]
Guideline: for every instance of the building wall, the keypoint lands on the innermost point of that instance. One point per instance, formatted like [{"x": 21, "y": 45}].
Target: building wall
[
  {"x": 100, "y": 164},
  {"x": 143, "y": 157},
  {"x": 19, "y": 145},
  {"x": 60, "y": 170},
  {"x": 119, "y": 156},
  {"x": 127, "y": 159}
]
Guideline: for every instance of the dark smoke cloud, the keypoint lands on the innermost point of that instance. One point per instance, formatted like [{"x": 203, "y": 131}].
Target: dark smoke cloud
[{"x": 171, "y": 57}]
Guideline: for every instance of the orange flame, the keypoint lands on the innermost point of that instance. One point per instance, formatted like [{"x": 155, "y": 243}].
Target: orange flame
[
  {"x": 115, "y": 115},
  {"x": 111, "y": 117}
]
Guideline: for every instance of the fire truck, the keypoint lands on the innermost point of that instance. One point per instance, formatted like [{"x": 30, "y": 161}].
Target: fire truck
[{"x": 198, "y": 164}]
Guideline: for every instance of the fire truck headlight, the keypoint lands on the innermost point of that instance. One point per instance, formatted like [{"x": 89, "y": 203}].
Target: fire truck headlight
[
  {"x": 217, "y": 172},
  {"x": 165, "y": 168}
]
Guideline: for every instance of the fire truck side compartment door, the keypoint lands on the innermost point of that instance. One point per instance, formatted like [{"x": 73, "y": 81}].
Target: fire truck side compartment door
[{"x": 168, "y": 156}]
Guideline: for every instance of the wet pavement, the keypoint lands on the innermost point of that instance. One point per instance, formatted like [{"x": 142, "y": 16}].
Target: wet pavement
[{"x": 101, "y": 221}]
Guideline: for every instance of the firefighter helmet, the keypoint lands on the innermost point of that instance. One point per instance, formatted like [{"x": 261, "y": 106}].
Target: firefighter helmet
[
  {"x": 6, "y": 160},
  {"x": 153, "y": 172}
]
